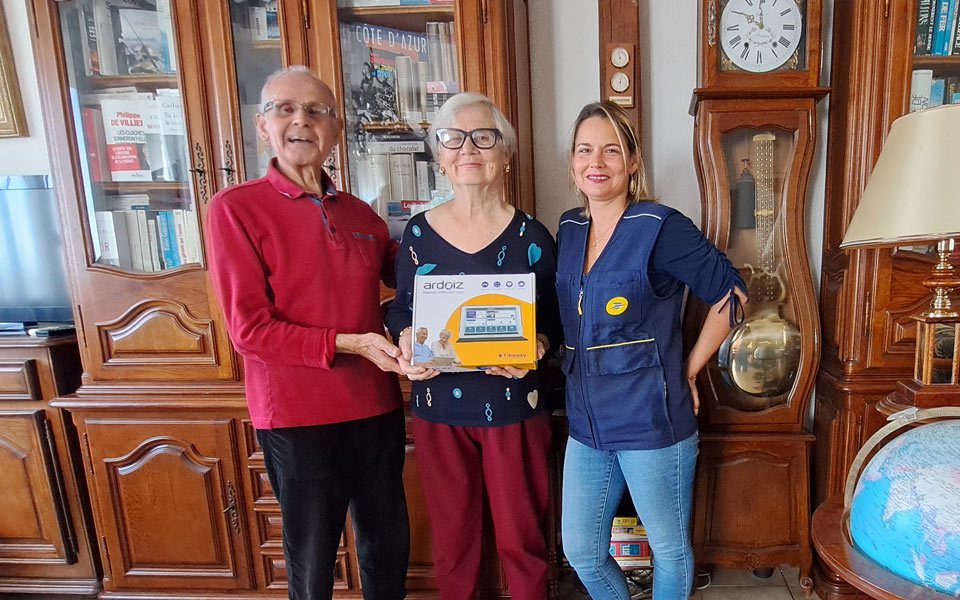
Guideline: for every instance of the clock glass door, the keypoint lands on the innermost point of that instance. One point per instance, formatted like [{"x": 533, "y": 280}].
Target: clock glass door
[{"x": 759, "y": 360}]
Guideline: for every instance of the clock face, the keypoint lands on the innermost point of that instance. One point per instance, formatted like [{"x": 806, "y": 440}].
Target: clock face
[
  {"x": 760, "y": 35},
  {"x": 619, "y": 82}
]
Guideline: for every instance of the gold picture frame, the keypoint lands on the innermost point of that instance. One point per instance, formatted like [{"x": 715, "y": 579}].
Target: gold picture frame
[{"x": 13, "y": 122}]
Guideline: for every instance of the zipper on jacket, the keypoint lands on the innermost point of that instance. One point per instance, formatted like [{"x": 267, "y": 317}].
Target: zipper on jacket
[{"x": 583, "y": 373}]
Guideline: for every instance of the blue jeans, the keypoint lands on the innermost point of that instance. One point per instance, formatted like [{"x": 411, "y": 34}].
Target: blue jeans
[{"x": 661, "y": 485}]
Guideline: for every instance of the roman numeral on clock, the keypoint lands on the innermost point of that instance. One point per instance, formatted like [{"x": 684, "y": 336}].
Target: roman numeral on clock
[
  {"x": 746, "y": 51},
  {"x": 735, "y": 41},
  {"x": 784, "y": 42}
]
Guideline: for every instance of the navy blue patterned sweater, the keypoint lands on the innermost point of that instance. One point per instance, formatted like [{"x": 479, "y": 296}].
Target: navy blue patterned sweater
[{"x": 476, "y": 399}]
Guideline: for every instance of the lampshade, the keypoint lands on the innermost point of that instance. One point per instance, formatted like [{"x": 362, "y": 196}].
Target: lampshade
[{"x": 914, "y": 191}]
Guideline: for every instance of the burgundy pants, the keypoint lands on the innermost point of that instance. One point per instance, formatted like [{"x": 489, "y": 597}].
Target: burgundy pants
[{"x": 456, "y": 464}]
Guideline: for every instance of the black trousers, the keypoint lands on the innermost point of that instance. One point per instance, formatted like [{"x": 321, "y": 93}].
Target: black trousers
[{"x": 318, "y": 472}]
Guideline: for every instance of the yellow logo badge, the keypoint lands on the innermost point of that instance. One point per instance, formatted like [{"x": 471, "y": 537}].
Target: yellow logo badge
[{"x": 616, "y": 306}]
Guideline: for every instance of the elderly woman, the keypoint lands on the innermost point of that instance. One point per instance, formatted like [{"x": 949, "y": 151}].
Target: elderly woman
[
  {"x": 442, "y": 348},
  {"x": 624, "y": 264},
  {"x": 484, "y": 429}
]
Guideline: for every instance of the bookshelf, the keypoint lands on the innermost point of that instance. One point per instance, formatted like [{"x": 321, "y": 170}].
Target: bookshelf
[
  {"x": 161, "y": 398},
  {"x": 867, "y": 297}
]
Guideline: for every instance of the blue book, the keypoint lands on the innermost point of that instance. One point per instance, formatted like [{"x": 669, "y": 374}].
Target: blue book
[
  {"x": 937, "y": 89},
  {"x": 168, "y": 239},
  {"x": 942, "y": 22},
  {"x": 951, "y": 27}
]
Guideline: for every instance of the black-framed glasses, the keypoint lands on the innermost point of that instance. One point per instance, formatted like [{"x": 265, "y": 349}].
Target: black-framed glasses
[
  {"x": 287, "y": 108},
  {"x": 483, "y": 138}
]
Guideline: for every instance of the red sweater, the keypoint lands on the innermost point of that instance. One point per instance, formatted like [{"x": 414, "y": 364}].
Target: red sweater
[{"x": 291, "y": 271}]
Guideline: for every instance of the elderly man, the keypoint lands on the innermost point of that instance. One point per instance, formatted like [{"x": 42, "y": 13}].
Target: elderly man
[
  {"x": 297, "y": 267},
  {"x": 421, "y": 351}
]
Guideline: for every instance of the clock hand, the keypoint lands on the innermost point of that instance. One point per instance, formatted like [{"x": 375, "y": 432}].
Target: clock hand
[
  {"x": 750, "y": 18},
  {"x": 760, "y": 7}
]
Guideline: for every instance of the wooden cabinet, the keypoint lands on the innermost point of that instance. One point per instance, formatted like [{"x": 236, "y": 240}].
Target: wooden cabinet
[
  {"x": 149, "y": 109},
  {"x": 45, "y": 530},
  {"x": 867, "y": 297}
]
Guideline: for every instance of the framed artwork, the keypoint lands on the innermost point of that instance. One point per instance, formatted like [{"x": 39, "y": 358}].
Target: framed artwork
[{"x": 13, "y": 123}]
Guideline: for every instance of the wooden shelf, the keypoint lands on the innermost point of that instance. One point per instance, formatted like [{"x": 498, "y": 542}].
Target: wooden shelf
[
  {"x": 407, "y": 18},
  {"x": 936, "y": 61},
  {"x": 137, "y": 187},
  {"x": 151, "y": 81},
  {"x": 263, "y": 45}
]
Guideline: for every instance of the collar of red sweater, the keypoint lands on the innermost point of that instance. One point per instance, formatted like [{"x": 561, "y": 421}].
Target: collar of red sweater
[{"x": 282, "y": 184}]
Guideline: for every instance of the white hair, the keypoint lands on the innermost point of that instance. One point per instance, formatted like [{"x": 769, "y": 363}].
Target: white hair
[
  {"x": 280, "y": 73},
  {"x": 448, "y": 113}
]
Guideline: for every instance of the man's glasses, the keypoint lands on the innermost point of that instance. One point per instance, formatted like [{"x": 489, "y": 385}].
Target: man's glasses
[
  {"x": 453, "y": 139},
  {"x": 287, "y": 108}
]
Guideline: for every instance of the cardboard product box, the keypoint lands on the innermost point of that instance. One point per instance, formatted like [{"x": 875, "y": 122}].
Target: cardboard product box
[{"x": 469, "y": 322}]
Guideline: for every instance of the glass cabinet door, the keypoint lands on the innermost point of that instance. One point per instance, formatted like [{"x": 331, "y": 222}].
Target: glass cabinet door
[
  {"x": 760, "y": 358},
  {"x": 400, "y": 63},
  {"x": 122, "y": 71},
  {"x": 257, "y": 48}
]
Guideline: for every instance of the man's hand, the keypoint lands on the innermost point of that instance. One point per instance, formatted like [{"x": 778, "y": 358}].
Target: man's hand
[
  {"x": 373, "y": 347},
  {"x": 405, "y": 349}
]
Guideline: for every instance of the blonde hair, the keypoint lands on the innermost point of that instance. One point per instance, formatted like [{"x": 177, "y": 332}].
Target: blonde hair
[{"x": 629, "y": 141}]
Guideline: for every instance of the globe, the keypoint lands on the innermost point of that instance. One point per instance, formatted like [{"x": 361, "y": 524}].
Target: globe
[{"x": 905, "y": 513}]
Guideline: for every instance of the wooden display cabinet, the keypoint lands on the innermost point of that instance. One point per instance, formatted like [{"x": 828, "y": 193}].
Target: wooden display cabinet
[
  {"x": 868, "y": 297},
  {"x": 46, "y": 535},
  {"x": 181, "y": 502}
]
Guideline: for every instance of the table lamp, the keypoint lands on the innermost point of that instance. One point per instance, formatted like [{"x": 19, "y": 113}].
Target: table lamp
[{"x": 913, "y": 195}]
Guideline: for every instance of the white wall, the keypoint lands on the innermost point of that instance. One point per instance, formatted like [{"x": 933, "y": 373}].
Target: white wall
[
  {"x": 565, "y": 76},
  {"x": 24, "y": 155}
]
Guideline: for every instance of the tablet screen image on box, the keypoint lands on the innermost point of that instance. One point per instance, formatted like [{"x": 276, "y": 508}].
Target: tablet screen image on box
[{"x": 469, "y": 322}]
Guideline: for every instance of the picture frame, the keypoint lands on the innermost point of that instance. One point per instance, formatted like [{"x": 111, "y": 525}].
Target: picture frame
[{"x": 13, "y": 122}]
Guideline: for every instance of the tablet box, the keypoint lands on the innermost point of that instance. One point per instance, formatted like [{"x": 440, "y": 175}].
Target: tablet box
[{"x": 489, "y": 320}]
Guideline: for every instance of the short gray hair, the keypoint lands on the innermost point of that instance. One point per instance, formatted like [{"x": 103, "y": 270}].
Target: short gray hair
[
  {"x": 305, "y": 70},
  {"x": 456, "y": 103}
]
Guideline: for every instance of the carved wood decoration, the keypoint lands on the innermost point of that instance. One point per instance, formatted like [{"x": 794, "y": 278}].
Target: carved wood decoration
[
  {"x": 32, "y": 524},
  {"x": 158, "y": 332},
  {"x": 144, "y": 468},
  {"x": 18, "y": 380}
]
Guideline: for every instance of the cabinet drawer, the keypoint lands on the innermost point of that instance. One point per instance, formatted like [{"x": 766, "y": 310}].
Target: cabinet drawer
[
  {"x": 275, "y": 571},
  {"x": 19, "y": 381}
]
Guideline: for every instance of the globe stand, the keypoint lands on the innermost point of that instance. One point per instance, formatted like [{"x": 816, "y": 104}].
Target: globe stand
[{"x": 830, "y": 526}]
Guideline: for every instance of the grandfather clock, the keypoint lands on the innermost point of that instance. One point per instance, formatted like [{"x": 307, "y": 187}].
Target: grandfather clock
[{"x": 755, "y": 110}]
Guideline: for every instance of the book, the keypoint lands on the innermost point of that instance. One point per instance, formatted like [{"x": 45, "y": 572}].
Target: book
[
  {"x": 114, "y": 246},
  {"x": 140, "y": 48},
  {"x": 173, "y": 147},
  {"x": 370, "y": 68},
  {"x": 403, "y": 183},
  {"x": 373, "y": 182},
  {"x": 180, "y": 231},
  {"x": 422, "y": 171},
  {"x": 146, "y": 254},
  {"x": 106, "y": 34},
  {"x": 626, "y": 521},
  {"x": 389, "y": 146},
  {"x": 96, "y": 144},
  {"x": 273, "y": 22},
  {"x": 937, "y": 88},
  {"x": 167, "y": 37},
  {"x": 125, "y": 127},
  {"x": 947, "y": 48},
  {"x": 630, "y": 549},
  {"x": 920, "y": 83},
  {"x": 448, "y": 49},
  {"x": 168, "y": 239},
  {"x": 154, "y": 237},
  {"x": 955, "y": 48},
  {"x": 88, "y": 40},
  {"x": 926, "y": 15},
  {"x": 133, "y": 238},
  {"x": 257, "y": 18},
  {"x": 940, "y": 26}
]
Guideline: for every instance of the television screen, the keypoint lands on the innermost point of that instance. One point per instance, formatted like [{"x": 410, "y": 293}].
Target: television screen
[{"x": 33, "y": 286}]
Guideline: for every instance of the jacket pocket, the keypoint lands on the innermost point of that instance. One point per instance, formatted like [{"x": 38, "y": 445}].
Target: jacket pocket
[
  {"x": 621, "y": 357},
  {"x": 569, "y": 354}
]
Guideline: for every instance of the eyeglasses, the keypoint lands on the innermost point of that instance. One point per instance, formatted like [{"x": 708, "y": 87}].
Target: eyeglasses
[
  {"x": 453, "y": 139},
  {"x": 287, "y": 108}
]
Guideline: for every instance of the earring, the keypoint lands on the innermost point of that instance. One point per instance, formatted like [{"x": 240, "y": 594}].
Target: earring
[
  {"x": 506, "y": 168},
  {"x": 443, "y": 171},
  {"x": 633, "y": 186}
]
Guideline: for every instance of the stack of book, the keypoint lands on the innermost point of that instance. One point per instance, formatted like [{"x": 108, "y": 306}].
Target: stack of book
[
  {"x": 135, "y": 236},
  {"x": 126, "y": 37},
  {"x": 629, "y": 545},
  {"x": 938, "y": 28},
  {"x": 928, "y": 91}
]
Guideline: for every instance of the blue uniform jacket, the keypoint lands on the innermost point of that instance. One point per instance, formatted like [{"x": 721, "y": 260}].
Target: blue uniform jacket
[{"x": 626, "y": 388}]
